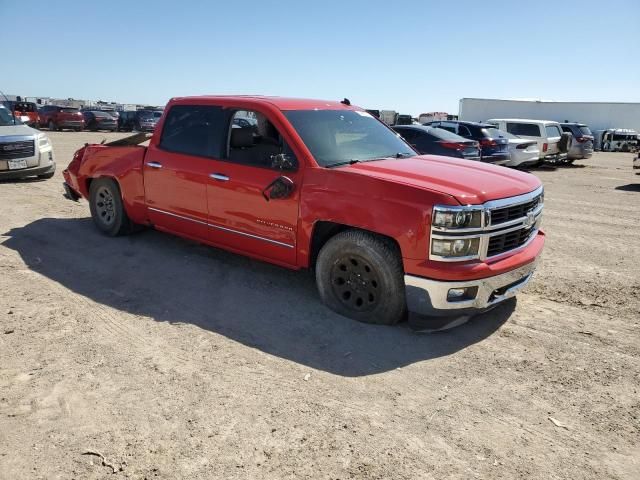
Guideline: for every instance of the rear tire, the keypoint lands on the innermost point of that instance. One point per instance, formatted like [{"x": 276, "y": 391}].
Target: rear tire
[
  {"x": 107, "y": 209},
  {"x": 360, "y": 275}
]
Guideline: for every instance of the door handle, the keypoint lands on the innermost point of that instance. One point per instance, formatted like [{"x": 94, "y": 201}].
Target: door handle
[
  {"x": 154, "y": 164},
  {"x": 219, "y": 176}
]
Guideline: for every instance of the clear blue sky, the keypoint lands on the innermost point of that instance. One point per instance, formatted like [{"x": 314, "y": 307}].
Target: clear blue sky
[{"x": 411, "y": 56}]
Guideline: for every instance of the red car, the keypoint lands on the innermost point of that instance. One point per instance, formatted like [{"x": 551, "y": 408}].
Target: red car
[
  {"x": 323, "y": 185},
  {"x": 55, "y": 117}
]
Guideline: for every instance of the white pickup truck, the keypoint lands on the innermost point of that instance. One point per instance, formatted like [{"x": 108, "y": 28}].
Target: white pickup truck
[
  {"x": 24, "y": 151},
  {"x": 553, "y": 144}
]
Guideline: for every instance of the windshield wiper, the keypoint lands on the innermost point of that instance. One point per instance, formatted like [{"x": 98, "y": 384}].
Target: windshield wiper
[
  {"x": 337, "y": 164},
  {"x": 402, "y": 155}
]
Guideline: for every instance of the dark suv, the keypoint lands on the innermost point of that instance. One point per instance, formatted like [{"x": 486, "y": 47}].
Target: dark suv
[
  {"x": 583, "y": 145},
  {"x": 58, "y": 118},
  {"x": 494, "y": 148},
  {"x": 140, "y": 120}
]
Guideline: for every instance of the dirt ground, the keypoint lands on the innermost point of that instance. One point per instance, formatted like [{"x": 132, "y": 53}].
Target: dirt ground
[{"x": 174, "y": 360}]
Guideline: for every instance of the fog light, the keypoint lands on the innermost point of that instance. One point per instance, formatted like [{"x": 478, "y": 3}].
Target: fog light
[
  {"x": 461, "y": 294},
  {"x": 456, "y": 294}
]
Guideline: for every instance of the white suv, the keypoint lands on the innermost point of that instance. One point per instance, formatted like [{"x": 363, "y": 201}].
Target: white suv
[{"x": 552, "y": 143}]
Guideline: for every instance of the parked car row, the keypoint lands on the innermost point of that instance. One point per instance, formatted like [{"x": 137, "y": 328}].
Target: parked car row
[
  {"x": 511, "y": 142},
  {"x": 57, "y": 118}
]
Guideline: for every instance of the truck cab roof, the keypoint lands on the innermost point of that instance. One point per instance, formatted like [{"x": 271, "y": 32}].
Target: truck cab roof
[{"x": 282, "y": 103}]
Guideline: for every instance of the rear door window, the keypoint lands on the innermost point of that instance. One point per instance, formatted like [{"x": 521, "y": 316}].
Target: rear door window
[
  {"x": 194, "y": 130},
  {"x": 407, "y": 133},
  {"x": 451, "y": 127},
  {"x": 463, "y": 131},
  {"x": 553, "y": 131},
  {"x": 524, "y": 129}
]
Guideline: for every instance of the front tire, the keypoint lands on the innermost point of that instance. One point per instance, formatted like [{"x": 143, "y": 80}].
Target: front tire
[
  {"x": 107, "y": 209},
  {"x": 360, "y": 275}
]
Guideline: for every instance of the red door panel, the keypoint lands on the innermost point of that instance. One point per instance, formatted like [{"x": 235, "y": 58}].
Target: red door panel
[
  {"x": 176, "y": 192},
  {"x": 241, "y": 218}
]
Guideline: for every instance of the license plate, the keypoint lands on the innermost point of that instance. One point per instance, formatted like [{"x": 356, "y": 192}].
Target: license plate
[{"x": 16, "y": 164}]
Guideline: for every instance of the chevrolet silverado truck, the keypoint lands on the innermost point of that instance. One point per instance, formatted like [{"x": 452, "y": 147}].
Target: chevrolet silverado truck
[
  {"x": 24, "y": 151},
  {"x": 323, "y": 185}
]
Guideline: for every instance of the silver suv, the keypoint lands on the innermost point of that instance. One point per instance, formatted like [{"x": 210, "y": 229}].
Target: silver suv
[
  {"x": 24, "y": 151},
  {"x": 582, "y": 146}
]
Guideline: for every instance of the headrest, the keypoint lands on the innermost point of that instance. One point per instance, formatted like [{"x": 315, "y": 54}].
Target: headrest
[{"x": 241, "y": 137}]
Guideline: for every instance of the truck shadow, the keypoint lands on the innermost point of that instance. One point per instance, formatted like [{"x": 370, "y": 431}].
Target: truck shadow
[
  {"x": 259, "y": 305},
  {"x": 630, "y": 187}
]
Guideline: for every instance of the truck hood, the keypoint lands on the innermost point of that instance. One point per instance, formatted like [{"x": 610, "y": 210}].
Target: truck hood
[
  {"x": 469, "y": 182},
  {"x": 11, "y": 130}
]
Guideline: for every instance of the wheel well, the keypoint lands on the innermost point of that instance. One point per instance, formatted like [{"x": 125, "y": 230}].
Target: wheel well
[
  {"x": 91, "y": 179},
  {"x": 323, "y": 231}
]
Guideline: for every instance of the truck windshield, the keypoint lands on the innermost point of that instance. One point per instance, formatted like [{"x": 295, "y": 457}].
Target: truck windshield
[
  {"x": 6, "y": 118},
  {"x": 346, "y": 136}
]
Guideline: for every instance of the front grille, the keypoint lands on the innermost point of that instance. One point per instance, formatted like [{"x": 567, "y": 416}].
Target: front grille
[
  {"x": 512, "y": 212},
  {"x": 12, "y": 150},
  {"x": 508, "y": 241}
]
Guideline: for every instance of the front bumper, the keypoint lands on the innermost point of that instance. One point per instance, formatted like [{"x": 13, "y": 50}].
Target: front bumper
[
  {"x": 27, "y": 172},
  {"x": 430, "y": 297}
]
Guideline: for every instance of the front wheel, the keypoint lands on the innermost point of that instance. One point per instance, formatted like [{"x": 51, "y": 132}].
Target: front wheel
[
  {"x": 360, "y": 275},
  {"x": 107, "y": 209}
]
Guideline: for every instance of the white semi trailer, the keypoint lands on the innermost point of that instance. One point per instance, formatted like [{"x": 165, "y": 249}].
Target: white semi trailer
[{"x": 598, "y": 115}]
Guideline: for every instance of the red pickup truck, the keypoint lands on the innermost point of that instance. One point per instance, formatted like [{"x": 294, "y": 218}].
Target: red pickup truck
[{"x": 323, "y": 185}]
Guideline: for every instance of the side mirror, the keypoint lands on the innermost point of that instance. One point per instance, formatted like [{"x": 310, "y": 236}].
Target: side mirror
[
  {"x": 281, "y": 187},
  {"x": 284, "y": 162}
]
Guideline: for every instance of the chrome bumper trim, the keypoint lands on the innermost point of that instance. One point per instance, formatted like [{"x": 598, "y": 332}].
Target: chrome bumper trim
[{"x": 429, "y": 297}]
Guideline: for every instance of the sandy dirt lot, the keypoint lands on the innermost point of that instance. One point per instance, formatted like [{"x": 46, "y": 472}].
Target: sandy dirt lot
[{"x": 174, "y": 360}]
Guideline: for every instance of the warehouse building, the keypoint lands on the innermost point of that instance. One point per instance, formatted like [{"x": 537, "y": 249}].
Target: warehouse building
[{"x": 598, "y": 115}]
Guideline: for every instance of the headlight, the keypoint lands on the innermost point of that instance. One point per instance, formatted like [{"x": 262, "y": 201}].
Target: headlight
[
  {"x": 43, "y": 141},
  {"x": 456, "y": 217},
  {"x": 456, "y": 247}
]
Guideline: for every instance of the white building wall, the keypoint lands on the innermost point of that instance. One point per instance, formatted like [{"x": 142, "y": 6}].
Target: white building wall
[{"x": 597, "y": 115}]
